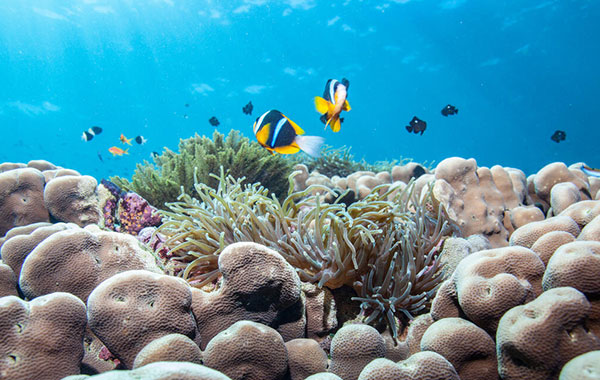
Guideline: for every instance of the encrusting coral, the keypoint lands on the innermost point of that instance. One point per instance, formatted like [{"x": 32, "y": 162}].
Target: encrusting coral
[
  {"x": 387, "y": 250},
  {"x": 199, "y": 157}
]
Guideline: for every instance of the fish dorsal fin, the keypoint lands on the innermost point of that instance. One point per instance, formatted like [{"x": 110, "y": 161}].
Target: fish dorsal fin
[{"x": 296, "y": 127}]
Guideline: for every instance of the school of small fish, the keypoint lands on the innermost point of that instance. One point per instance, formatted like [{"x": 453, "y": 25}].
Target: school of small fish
[{"x": 279, "y": 134}]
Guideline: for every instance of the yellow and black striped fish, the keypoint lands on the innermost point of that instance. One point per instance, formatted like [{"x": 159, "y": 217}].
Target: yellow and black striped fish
[
  {"x": 333, "y": 102},
  {"x": 276, "y": 133}
]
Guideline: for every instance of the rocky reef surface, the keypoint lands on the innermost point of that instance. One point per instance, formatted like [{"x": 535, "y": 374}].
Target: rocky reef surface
[{"x": 452, "y": 272}]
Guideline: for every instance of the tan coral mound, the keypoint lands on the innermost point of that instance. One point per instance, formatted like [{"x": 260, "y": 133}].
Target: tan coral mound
[
  {"x": 15, "y": 249},
  {"x": 305, "y": 358},
  {"x": 169, "y": 348},
  {"x": 546, "y": 245},
  {"x": 577, "y": 265},
  {"x": 471, "y": 199},
  {"x": 160, "y": 371},
  {"x": 352, "y": 348},
  {"x": 76, "y": 260},
  {"x": 489, "y": 283},
  {"x": 8, "y": 281},
  {"x": 73, "y": 199},
  {"x": 469, "y": 348},
  {"x": 42, "y": 338},
  {"x": 21, "y": 198},
  {"x": 535, "y": 340},
  {"x": 133, "y": 308},
  {"x": 426, "y": 365},
  {"x": 582, "y": 367},
  {"x": 248, "y": 351},
  {"x": 257, "y": 285},
  {"x": 527, "y": 235}
]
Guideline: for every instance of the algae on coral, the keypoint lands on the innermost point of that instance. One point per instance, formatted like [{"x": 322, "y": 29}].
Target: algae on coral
[{"x": 173, "y": 173}]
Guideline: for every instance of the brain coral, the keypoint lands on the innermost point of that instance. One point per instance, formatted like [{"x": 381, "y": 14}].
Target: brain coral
[
  {"x": 469, "y": 348},
  {"x": 133, "y": 308},
  {"x": 42, "y": 338},
  {"x": 21, "y": 198},
  {"x": 160, "y": 371},
  {"x": 257, "y": 285},
  {"x": 535, "y": 340},
  {"x": 76, "y": 260},
  {"x": 352, "y": 348},
  {"x": 248, "y": 351}
]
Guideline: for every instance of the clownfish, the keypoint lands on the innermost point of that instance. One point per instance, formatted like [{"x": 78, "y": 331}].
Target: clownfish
[
  {"x": 333, "y": 103},
  {"x": 276, "y": 133}
]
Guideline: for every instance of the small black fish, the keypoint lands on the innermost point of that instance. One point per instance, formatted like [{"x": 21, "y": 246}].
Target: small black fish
[
  {"x": 558, "y": 136},
  {"x": 214, "y": 121},
  {"x": 141, "y": 140},
  {"x": 100, "y": 156},
  {"x": 248, "y": 108},
  {"x": 187, "y": 104},
  {"x": 90, "y": 133},
  {"x": 154, "y": 154},
  {"x": 449, "y": 110},
  {"x": 416, "y": 125}
]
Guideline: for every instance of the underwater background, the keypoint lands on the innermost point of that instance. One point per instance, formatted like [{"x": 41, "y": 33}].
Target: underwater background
[{"x": 516, "y": 70}]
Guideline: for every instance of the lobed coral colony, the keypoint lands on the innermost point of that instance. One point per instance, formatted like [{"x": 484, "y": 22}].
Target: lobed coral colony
[{"x": 197, "y": 269}]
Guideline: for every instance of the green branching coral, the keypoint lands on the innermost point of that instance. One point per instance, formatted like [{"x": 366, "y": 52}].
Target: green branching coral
[
  {"x": 200, "y": 156},
  {"x": 384, "y": 246}
]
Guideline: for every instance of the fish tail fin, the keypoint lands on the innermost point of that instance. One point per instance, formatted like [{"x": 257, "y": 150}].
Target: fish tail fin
[
  {"x": 335, "y": 123},
  {"x": 346, "y": 82},
  {"x": 311, "y": 145},
  {"x": 323, "y": 106},
  {"x": 126, "y": 151}
]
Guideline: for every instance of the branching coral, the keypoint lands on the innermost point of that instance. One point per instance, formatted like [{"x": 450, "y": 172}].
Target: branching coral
[
  {"x": 386, "y": 250},
  {"x": 201, "y": 156}
]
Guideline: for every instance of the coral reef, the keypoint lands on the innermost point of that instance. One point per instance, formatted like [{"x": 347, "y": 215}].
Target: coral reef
[
  {"x": 198, "y": 158},
  {"x": 526, "y": 310}
]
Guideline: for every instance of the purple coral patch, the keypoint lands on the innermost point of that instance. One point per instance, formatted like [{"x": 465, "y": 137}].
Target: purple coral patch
[
  {"x": 136, "y": 213},
  {"x": 127, "y": 211}
]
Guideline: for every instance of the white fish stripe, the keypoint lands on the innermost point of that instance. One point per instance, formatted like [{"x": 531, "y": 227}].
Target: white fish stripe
[
  {"x": 259, "y": 122},
  {"x": 332, "y": 90},
  {"x": 280, "y": 124}
]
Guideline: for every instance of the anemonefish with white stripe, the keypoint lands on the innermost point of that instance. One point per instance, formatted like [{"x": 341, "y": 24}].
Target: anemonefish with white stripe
[
  {"x": 333, "y": 103},
  {"x": 276, "y": 133}
]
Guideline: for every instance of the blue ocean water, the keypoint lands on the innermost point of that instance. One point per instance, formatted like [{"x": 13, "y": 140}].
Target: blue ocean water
[{"x": 516, "y": 70}]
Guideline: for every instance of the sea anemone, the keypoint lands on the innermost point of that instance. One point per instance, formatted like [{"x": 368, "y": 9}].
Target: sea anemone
[{"x": 385, "y": 246}]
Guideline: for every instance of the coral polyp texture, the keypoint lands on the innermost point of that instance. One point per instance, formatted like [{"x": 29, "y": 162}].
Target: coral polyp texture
[{"x": 386, "y": 249}]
